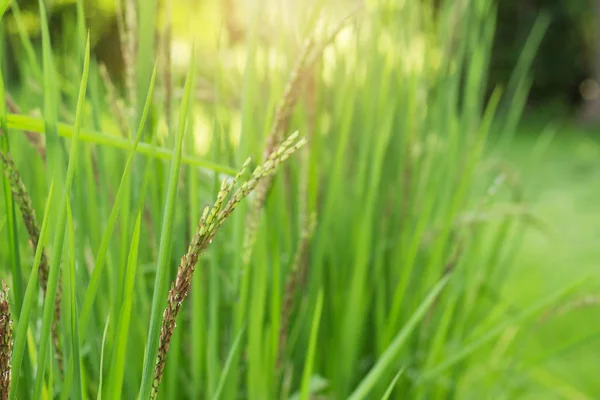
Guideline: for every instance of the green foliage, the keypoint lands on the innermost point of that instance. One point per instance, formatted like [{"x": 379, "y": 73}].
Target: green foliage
[
  {"x": 564, "y": 58},
  {"x": 373, "y": 272}
]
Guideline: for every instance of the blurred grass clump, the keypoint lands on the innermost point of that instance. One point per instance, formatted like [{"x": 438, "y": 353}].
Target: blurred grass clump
[{"x": 368, "y": 258}]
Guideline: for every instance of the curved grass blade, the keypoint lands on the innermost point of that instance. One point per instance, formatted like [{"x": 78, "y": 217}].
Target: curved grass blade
[
  {"x": 30, "y": 296},
  {"x": 25, "y": 40},
  {"x": 51, "y": 102},
  {"x": 312, "y": 345},
  {"x": 104, "y": 335},
  {"x": 73, "y": 374},
  {"x": 36, "y": 125},
  {"x": 60, "y": 234},
  {"x": 161, "y": 279},
  {"x": 78, "y": 389},
  {"x": 68, "y": 381},
  {"x": 227, "y": 366},
  {"x": 388, "y": 391},
  {"x": 55, "y": 171},
  {"x": 497, "y": 331},
  {"x": 380, "y": 368},
  {"x": 117, "y": 369},
  {"x": 99, "y": 263}
]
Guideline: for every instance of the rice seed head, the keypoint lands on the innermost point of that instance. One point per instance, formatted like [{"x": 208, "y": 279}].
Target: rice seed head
[
  {"x": 280, "y": 123},
  {"x": 289, "y": 99},
  {"x": 21, "y": 198},
  {"x": 6, "y": 342},
  {"x": 293, "y": 284},
  {"x": 212, "y": 219},
  {"x": 24, "y": 202},
  {"x": 273, "y": 159}
]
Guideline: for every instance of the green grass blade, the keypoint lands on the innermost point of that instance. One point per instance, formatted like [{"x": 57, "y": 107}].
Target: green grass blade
[
  {"x": 312, "y": 345},
  {"x": 25, "y": 40},
  {"x": 81, "y": 28},
  {"x": 161, "y": 279},
  {"x": 145, "y": 43},
  {"x": 227, "y": 366},
  {"x": 390, "y": 389},
  {"x": 120, "y": 347},
  {"x": 72, "y": 379},
  {"x": 99, "y": 262},
  {"x": 36, "y": 125},
  {"x": 78, "y": 389},
  {"x": 51, "y": 101},
  {"x": 68, "y": 381},
  {"x": 528, "y": 52},
  {"x": 31, "y": 293},
  {"x": 60, "y": 235},
  {"x": 496, "y": 331},
  {"x": 380, "y": 368},
  {"x": 104, "y": 336}
]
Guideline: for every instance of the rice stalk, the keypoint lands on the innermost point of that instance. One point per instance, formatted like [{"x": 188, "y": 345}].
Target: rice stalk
[
  {"x": 211, "y": 220},
  {"x": 301, "y": 73},
  {"x": 280, "y": 123},
  {"x": 293, "y": 285},
  {"x": 307, "y": 223},
  {"x": 25, "y": 205},
  {"x": 6, "y": 342}
]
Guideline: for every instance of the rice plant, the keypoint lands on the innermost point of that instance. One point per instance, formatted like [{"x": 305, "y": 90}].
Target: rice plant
[{"x": 357, "y": 260}]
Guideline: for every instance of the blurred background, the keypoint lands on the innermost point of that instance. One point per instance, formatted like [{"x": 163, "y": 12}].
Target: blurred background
[
  {"x": 564, "y": 72},
  {"x": 553, "y": 151}
]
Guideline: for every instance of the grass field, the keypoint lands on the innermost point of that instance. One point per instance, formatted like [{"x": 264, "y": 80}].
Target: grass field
[
  {"x": 321, "y": 213},
  {"x": 561, "y": 187}
]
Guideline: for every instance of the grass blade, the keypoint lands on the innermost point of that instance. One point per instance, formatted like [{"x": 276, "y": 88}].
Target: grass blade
[
  {"x": 72, "y": 380},
  {"x": 120, "y": 346},
  {"x": 60, "y": 235},
  {"x": 78, "y": 389},
  {"x": 390, "y": 389},
  {"x": 99, "y": 262},
  {"x": 36, "y": 125},
  {"x": 104, "y": 336},
  {"x": 161, "y": 279},
  {"x": 495, "y": 332},
  {"x": 365, "y": 386},
  {"x": 310, "y": 358},
  {"x": 223, "y": 378},
  {"x": 30, "y": 296},
  {"x": 25, "y": 40}
]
